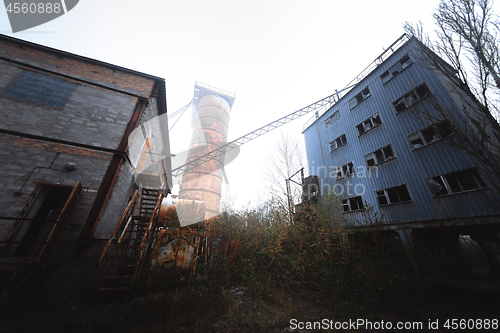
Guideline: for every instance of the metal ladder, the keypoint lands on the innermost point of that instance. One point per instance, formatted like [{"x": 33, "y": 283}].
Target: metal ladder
[{"x": 136, "y": 224}]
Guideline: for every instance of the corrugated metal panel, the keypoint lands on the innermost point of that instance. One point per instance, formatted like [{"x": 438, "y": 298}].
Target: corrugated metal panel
[{"x": 410, "y": 167}]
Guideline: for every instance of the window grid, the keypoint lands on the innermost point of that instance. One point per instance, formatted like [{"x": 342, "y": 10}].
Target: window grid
[
  {"x": 344, "y": 171},
  {"x": 397, "y": 68},
  {"x": 411, "y": 98},
  {"x": 430, "y": 134},
  {"x": 393, "y": 195},
  {"x": 369, "y": 124},
  {"x": 332, "y": 119},
  {"x": 38, "y": 88},
  {"x": 455, "y": 182},
  {"x": 352, "y": 204},
  {"x": 364, "y": 94},
  {"x": 338, "y": 142},
  {"x": 379, "y": 156}
]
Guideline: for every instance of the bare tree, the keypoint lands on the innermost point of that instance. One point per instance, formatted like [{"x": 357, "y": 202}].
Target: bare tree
[
  {"x": 467, "y": 38},
  {"x": 285, "y": 159}
]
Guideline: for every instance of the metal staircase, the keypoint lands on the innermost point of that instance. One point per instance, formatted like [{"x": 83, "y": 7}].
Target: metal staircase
[{"x": 134, "y": 228}]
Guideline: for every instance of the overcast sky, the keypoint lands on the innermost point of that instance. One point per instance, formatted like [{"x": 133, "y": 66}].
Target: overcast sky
[{"x": 277, "y": 56}]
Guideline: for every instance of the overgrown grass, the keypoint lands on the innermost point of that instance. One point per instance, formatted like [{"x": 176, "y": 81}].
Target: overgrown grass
[{"x": 307, "y": 269}]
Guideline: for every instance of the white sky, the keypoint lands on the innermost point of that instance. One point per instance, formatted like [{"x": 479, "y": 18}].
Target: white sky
[{"x": 277, "y": 56}]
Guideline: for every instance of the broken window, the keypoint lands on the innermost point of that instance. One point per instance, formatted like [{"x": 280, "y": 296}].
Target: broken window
[
  {"x": 364, "y": 94},
  {"x": 344, "y": 171},
  {"x": 361, "y": 129},
  {"x": 430, "y": 134},
  {"x": 368, "y": 124},
  {"x": 338, "y": 142},
  {"x": 416, "y": 140},
  {"x": 370, "y": 160},
  {"x": 405, "y": 61},
  {"x": 422, "y": 91},
  {"x": 352, "y": 204},
  {"x": 386, "y": 76},
  {"x": 43, "y": 89},
  {"x": 332, "y": 119},
  {"x": 397, "y": 68},
  {"x": 379, "y": 156},
  {"x": 411, "y": 97},
  {"x": 393, "y": 195},
  {"x": 455, "y": 182}
]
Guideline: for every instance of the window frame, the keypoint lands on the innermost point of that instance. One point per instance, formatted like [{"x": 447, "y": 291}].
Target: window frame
[
  {"x": 332, "y": 119},
  {"x": 380, "y": 152},
  {"x": 440, "y": 134},
  {"x": 460, "y": 176},
  {"x": 359, "y": 97},
  {"x": 335, "y": 143},
  {"x": 372, "y": 124},
  {"x": 411, "y": 98},
  {"x": 41, "y": 89},
  {"x": 347, "y": 203},
  {"x": 349, "y": 171},
  {"x": 386, "y": 195},
  {"x": 390, "y": 73}
]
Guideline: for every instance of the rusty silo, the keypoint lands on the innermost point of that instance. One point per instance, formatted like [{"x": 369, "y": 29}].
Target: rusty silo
[{"x": 211, "y": 113}]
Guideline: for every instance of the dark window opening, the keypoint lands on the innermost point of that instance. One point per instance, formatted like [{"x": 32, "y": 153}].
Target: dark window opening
[
  {"x": 380, "y": 156},
  {"x": 364, "y": 94},
  {"x": 422, "y": 91},
  {"x": 368, "y": 124},
  {"x": 430, "y": 134},
  {"x": 361, "y": 129},
  {"x": 344, "y": 171},
  {"x": 338, "y": 142},
  {"x": 46, "y": 207},
  {"x": 444, "y": 128},
  {"x": 455, "y": 182},
  {"x": 352, "y": 204},
  {"x": 393, "y": 195},
  {"x": 382, "y": 200},
  {"x": 411, "y": 97},
  {"x": 388, "y": 152},
  {"x": 399, "y": 105},
  {"x": 397, "y": 68}
]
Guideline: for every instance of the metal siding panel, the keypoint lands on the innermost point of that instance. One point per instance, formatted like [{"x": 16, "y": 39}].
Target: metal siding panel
[{"x": 408, "y": 167}]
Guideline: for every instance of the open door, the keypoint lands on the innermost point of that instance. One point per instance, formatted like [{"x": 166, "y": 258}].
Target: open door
[
  {"x": 42, "y": 220},
  {"x": 61, "y": 220}
]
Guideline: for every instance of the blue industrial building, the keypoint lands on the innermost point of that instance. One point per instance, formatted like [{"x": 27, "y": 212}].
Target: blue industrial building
[{"x": 390, "y": 140}]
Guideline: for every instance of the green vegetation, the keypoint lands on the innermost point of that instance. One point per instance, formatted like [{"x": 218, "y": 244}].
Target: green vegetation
[{"x": 309, "y": 269}]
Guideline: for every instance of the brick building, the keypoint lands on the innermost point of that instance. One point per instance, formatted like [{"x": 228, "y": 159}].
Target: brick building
[{"x": 65, "y": 176}]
